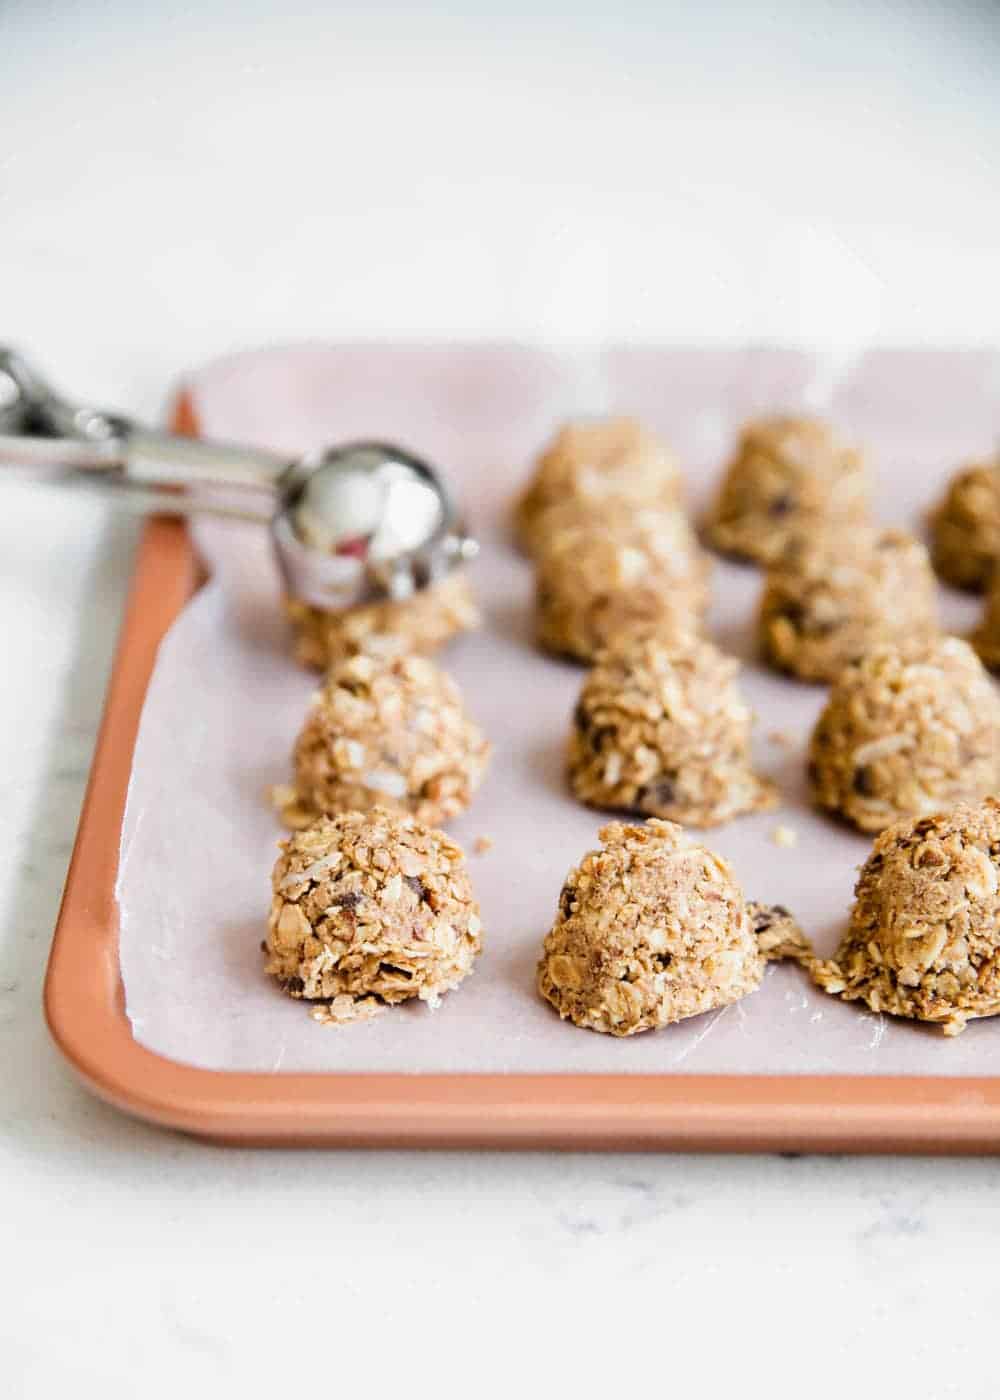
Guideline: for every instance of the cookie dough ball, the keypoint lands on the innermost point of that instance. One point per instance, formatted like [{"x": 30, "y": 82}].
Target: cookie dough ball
[
  {"x": 370, "y": 909},
  {"x": 924, "y": 936},
  {"x": 422, "y": 623},
  {"x": 389, "y": 731},
  {"x": 650, "y": 929},
  {"x": 788, "y": 476},
  {"x": 591, "y": 464},
  {"x": 965, "y": 527},
  {"x": 836, "y": 594},
  {"x": 600, "y": 582},
  {"x": 908, "y": 729},
  {"x": 661, "y": 728},
  {"x": 986, "y": 637}
]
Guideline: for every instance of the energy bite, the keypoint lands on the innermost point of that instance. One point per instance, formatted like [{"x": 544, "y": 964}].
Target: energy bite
[
  {"x": 909, "y": 729},
  {"x": 370, "y": 909},
  {"x": 600, "y": 582},
  {"x": 422, "y": 623},
  {"x": 661, "y": 729},
  {"x": 590, "y": 464},
  {"x": 924, "y": 936},
  {"x": 651, "y": 929},
  {"x": 986, "y": 637},
  {"x": 389, "y": 730},
  {"x": 788, "y": 476},
  {"x": 836, "y": 594},
  {"x": 965, "y": 527}
]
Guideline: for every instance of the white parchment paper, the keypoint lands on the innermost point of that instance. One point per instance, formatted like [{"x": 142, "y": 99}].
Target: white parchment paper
[{"x": 225, "y": 703}]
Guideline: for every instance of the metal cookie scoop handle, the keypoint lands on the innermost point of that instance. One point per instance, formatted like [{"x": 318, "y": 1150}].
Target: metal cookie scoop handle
[{"x": 351, "y": 524}]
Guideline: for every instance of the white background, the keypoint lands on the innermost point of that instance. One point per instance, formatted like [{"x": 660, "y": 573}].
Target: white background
[{"x": 177, "y": 180}]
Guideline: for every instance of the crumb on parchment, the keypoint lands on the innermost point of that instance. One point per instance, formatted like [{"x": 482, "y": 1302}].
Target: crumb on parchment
[{"x": 782, "y": 739}]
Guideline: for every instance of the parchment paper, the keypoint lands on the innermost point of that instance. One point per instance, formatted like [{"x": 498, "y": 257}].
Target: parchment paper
[{"x": 225, "y": 704}]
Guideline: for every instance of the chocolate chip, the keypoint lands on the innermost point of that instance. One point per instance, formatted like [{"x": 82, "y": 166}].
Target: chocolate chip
[
  {"x": 660, "y": 794},
  {"x": 863, "y": 782},
  {"x": 580, "y": 718},
  {"x": 781, "y": 505},
  {"x": 793, "y": 613},
  {"x": 349, "y": 900},
  {"x": 567, "y": 897},
  {"x": 294, "y": 986},
  {"x": 765, "y": 916},
  {"x": 416, "y": 885}
]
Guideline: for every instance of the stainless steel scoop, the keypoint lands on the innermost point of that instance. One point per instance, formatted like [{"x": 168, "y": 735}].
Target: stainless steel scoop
[{"x": 350, "y": 524}]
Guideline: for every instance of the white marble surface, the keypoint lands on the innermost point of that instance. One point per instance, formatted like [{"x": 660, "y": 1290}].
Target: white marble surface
[{"x": 176, "y": 182}]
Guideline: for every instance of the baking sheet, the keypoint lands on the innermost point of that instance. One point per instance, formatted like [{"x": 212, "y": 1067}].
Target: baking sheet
[{"x": 225, "y": 703}]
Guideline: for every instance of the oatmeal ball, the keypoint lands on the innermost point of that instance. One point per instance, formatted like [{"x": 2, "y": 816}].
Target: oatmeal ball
[
  {"x": 836, "y": 594},
  {"x": 370, "y": 909},
  {"x": 422, "y": 623},
  {"x": 390, "y": 731},
  {"x": 986, "y": 637},
  {"x": 788, "y": 476},
  {"x": 600, "y": 582},
  {"x": 910, "y": 728},
  {"x": 924, "y": 936},
  {"x": 661, "y": 728},
  {"x": 652, "y": 928},
  {"x": 965, "y": 527},
  {"x": 591, "y": 464}
]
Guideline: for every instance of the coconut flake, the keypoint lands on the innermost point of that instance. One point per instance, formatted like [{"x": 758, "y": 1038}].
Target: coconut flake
[{"x": 386, "y": 781}]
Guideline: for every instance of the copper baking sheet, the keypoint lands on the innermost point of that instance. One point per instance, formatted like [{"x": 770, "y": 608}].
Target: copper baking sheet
[{"x": 84, "y": 994}]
